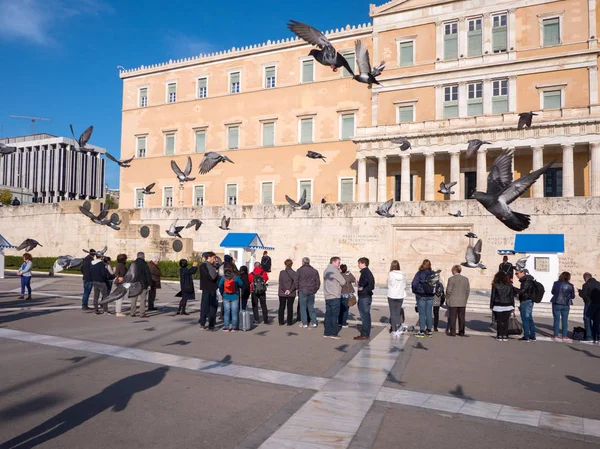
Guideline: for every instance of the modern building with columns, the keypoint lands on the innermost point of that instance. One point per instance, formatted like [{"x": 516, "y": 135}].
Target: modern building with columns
[{"x": 455, "y": 70}]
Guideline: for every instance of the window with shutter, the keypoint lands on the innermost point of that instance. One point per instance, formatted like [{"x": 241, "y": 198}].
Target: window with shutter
[
  {"x": 451, "y": 41},
  {"x": 268, "y": 134},
  {"x": 232, "y": 194},
  {"x": 169, "y": 144},
  {"x": 307, "y": 71},
  {"x": 141, "y": 147},
  {"x": 168, "y": 197},
  {"x": 346, "y": 190},
  {"x": 500, "y": 97},
  {"x": 269, "y": 77},
  {"x": 474, "y": 38},
  {"x": 233, "y": 137},
  {"x": 306, "y": 186},
  {"x": 406, "y": 53},
  {"x": 450, "y": 101},
  {"x": 350, "y": 58},
  {"x": 306, "y": 130},
  {"x": 143, "y": 97},
  {"x": 475, "y": 99},
  {"x": 347, "y": 126},
  {"x": 267, "y": 193},
  {"x": 552, "y": 99},
  {"x": 234, "y": 81},
  {"x": 199, "y": 195},
  {"x": 200, "y": 141},
  {"x": 551, "y": 31},
  {"x": 499, "y": 33},
  {"x": 172, "y": 92},
  {"x": 406, "y": 114},
  {"x": 139, "y": 198},
  {"x": 202, "y": 88}
]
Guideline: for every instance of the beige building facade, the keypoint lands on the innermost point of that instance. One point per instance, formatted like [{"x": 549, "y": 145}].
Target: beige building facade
[{"x": 456, "y": 70}]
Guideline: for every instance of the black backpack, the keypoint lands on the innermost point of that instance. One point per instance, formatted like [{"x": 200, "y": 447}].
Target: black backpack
[
  {"x": 259, "y": 286},
  {"x": 578, "y": 333},
  {"x": 538, "y": 291}
]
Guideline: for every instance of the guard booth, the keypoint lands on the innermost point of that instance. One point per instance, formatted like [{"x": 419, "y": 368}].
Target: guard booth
[
  {"x": 543, "y": 251},
  {"x": 3, "y": 245},
  {"x": 245, "y": 248}
]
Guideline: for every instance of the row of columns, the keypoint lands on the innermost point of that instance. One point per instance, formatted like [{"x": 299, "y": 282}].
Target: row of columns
[{"x": 568, "y": 176}]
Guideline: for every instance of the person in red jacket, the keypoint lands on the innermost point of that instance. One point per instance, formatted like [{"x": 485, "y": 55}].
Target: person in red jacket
[{"x": 258, "y": 287}]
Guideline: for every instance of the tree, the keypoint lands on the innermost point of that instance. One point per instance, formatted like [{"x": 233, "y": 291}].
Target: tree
[
  {"x": 111, "y": 203},
  {"x": 6, "y": 197}
]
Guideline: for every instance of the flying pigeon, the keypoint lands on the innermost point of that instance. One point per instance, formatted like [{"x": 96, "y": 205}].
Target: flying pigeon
[
  {"x": 470, "y": 235},
  {"x": 525, "y": 119},
  {"x": 300, "y": 202},
  {"x": 445, "y": 188},
  {"x": 366, "y": 75},
  {"x": 126, "y": 287},
  {"x": 521, "y": 263},
  {"x": 183, "y": 176},
  {"x": 98, "y": 219},
  {"x": 305, "y": 206},
  {"x": 473, "y": 256},
  {"x": 87, "y": 205},
  {"x": 28, "y": 245},
  {"x": 384, "y": 209},
  {"x": 225, "y": 223},
  {"x": 194, "y": 222},
  {"x": 434, "y": 278},
  {"x": 83, "y": 139},
  {"x": 113, "y": 222},
  {"x": 457, "y": 214},
  {"x": 474, "y": 145},
  {"x": 101, "y": 252},
  {"x": 403, "y": 142},
  {"x": 148, "y": 189},
  {"x": 502, "y": 190},
  {"x": 124, "y": 164},
  {"x": 315, "y": 155},
  {"x": 327, "y": 55},
  {"x": 174, "y": 231},
  {"x": 210, "y": 161},
  {"x": 5, "y": 149},
  {"x": 65, "y": 263}
]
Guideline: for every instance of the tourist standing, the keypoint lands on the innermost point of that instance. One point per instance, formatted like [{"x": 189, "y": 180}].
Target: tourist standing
[
  {"x": 156, "y": 274},
  {"x": 229, "y": 286},
  {"x": 309, "y": 283},
  {"x": 288, "y": 284},
  {"x": 590, "y": 293},
  {"x": 144, "y": 277},
  {"x": 502, "y": 303},
  {"x": 258, "y": 289},
  {"x": 439, "y": 298},
  {"x": 209, "y": 283},
  {"x": 99, "y": 274},
  {"x": 265, "y": 262},
  {"x": 396, "y": 292},
  {"x": 508, "y": 268},
  {"x": 526, "y": 294},
  {"x": 120, "y": 272},
  {"x": 563, "y": 293},
  {"x": 245, "y": 290},
  {"x": 25, "y": 273},
  {"x": 366, "y": 285},
  {"x": 332, "y": 290},
  {"x": 111, "y": 275},
  {"x": 186, "y": 283},
  {"x": 86, "y": 264},
  {"x": 457, "y": 295},
  {"x": 424, "y": 294},
  {"x": 347, "y": 293}
]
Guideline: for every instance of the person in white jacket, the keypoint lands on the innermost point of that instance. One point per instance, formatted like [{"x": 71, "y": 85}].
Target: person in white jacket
[{"x": 396, "y": 286}]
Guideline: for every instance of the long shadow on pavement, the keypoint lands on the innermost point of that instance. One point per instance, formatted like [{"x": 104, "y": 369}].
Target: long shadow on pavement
[
  {"x": 585, "y": 351},
  {"x": 458, "y": 392},
  {"x": 30, "y": 406},
  {"x": 588, "y": 385}
]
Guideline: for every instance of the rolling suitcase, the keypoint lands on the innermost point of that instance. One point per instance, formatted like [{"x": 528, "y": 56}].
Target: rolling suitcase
[{"x": 245, "y": 321}]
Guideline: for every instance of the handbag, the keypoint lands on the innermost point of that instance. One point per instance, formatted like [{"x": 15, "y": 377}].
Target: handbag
[
  {"x": 514, "y": 326},
  {"x": 352, "y": 301}
]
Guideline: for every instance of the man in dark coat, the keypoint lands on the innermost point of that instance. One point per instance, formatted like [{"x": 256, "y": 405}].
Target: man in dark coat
[
  {"x": 265, "y": 262},
  {"x": 526, "y": 294},
  {"x": 87, "y": 278},
  {"x": 99, "y": 274},
  {"x": 590, "y": 293},
  {"x": 144, "y": 277},
  {"x": 209, "y": 283}
]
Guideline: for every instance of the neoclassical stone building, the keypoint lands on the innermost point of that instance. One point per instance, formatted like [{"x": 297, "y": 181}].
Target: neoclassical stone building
[{"x": 455, "y": 70}]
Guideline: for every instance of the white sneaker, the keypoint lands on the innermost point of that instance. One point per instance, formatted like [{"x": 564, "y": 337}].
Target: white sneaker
[
  {"x": 303, "y": 326},
  {"x": 313, "y": 325}
]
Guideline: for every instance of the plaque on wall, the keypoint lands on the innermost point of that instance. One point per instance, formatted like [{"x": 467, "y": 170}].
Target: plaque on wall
[
  {"x": 145, "y": 231},
  {"x": 177, "y": 246},
  {"x": 542, "y": 264}
]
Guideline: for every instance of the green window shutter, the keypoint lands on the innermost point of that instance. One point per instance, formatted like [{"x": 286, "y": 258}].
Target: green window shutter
[
  {"x": 170, "y": 144},
  {"x": 306, "y": 130},
  {"x": 347, "y": 126},
  {"x": 270, "y": 72},
  {"x": 552, "y": 31},
  {"x": 350, "y": 58},
  {"x": 231, "y": 190},
  {"x": 450, "y": 46},
  {"x": 499, "y": 39},
  {"x": 139, "y": 196},
  {"x": 268, "y": 134},
  {"x": 168, "y": 200},
  {"x": 200, "y": 141},
  {"x": 307, "y": 71},
  {"x": 172, "y": 88},
  {"x": 267, "y": 193},
  {"x": 474, "y": 107},
  {"x": 233, "y": 138},
  {"x": 346, "y": 190},
  {"x": 406, "y": 114},
  {"x": 475, "y": 43},
  {"x": 144, "y": 92},
  {"x": 406, "y": 53},
  {"x": 552, "y": 99},
  {"x": 499, "y": 105},
  {"x": 451, "y": 109},
  {"x": 306, "y": 185},
  {"x": 202, "y": 83},
  {"x": 199, "y": 195},
  {"x": 235, "y": 77}
]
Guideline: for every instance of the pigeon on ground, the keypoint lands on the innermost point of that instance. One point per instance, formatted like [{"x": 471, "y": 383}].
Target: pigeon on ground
[
  {"x": 502, "y": 190},
  {"x": 300, "y": 202},
  {"x": 65, "y": 263},
  {"x": 327, "y": 55},
  {"x": 98, "y": 219},
  {"x": 225, "y": 223},
  {"x": 471, "y": 235},
  {"x": 83, "y": 139},
  {"x": 101, "y": 252},
  {"x": 315, "y": 155},
  {"x": 474, "y": 145},
  {"x": 457, "y": 214},
  {"x": 148, "y": 189},
  {"x": 384, "y": 209},
  {"x": 210, "y": 161},
  {"x": 124, "y": 164},
  {"x": 28, "y": 245},
  {"x": 521, "y": 263},
  {"x": 473, "y": 256},
  {"x": 5, "y": 149},
  {"x": 124, "y": 286},
  {"x": 366, "y": 74},
  {"x": 403, "y": 142},
  {"x": 183, "y": 176},
  {"x": 525, "y": 119},
  {"x": 174, "y": 231},
  {"x": 445, "y": 188},
  {"x": 434, "y": 278},
  {"x": 194, "y": 222}
]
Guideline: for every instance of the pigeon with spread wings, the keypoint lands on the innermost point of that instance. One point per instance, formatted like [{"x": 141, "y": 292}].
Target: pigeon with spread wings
[
  {"x": 225, "y": 223},
  {"x": 521, "y": 263},
  {"x": 403, "y": 142},
  {"x": 315, "y": 155},
  {"x": 174, "y": 230},
  {"x": 210, "y": 161},
  {"x": 525, "y": 119},
  {"x": 148, "y": 189},
  {"x": 473, "y": 256},
  {"x": 83, "y": 139},
  {"x": 5, "y": 149},
  {"x": 98, "y": 219},
  {"x": 474, "y": 145},
  {"x": 300, "y": 202},
  {"x": 183, "y": 176},
  {"x": 366, "y": 74},
  {"x": 125, "y": 164},
  {"x": 194, "y": 222},
  {"x": 28, "y": 245},
  {"x": 64, "y": 263},
  {"x": 384, "y": 209},
  {"x": 445, "y": 188}
]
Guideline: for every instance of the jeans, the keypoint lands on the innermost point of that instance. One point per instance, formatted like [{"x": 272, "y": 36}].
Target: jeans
[
  {"x": 502, "y": 323},
  {"x": 526, "y": 309},
  {"x": 344, "y": 309},
  {"x": 593, "y": 313},
  {"x": 87, "y": 289},
  {"x": 208, "y": 308},
  {"x": 561, "y": 312},
  {"x": 231, "y": 308},
  {"x": 286, "y": 301},
  {"x": 364, "y": 308},
  {"x": 307, "y": 306},
  {"x": 332, "y": 314},
  {"x": 587, "y": 322},
  {"x": 395, "y": 313},
  {"x": 425, "y": 306},
  {"x": 26, "y": 284},
  {"x": 100, "y": 290},
  {"x": 263, "y": 305}
]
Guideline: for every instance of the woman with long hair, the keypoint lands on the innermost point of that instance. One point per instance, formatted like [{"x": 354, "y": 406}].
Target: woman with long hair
[
  {"x": 245, "y": 290},
  {"x": 424, "y": 293},
  {"x": 502, "y": 303},
  {"x": 396, "y": 292}
]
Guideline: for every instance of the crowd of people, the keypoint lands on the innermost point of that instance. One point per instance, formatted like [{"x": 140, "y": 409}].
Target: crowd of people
[{"x": 341, "y": 290}]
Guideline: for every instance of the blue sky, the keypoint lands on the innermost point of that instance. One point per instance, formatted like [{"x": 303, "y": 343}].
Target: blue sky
[{"x": 60, "y": 57}]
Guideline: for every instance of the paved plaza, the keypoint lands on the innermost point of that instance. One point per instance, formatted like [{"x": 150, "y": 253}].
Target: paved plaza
[{"x": 71, "y": 379}]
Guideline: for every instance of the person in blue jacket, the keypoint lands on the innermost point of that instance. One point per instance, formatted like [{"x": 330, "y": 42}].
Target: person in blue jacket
[{"x": 230, "y": 286}]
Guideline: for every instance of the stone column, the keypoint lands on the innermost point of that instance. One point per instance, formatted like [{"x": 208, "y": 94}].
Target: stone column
[
  {"x": 455, "y": 173},
  {"x": 372, "y": 177},
  {"x": 593, "y": 80},
  {"x": 568, "y": 176},
  {"x": 487, "y": 33},
  {"x": 481, "y": 170},
  {"x": 439, "y": 41},
  {"x": 537, "y": 189},
  {"x": 405, "y": 178},
  {"x": 462, "y": 39},
  {"x": 429, "y": 177},
  {"x": 362, "y": 179},
  {"x": 381, "y": 178},
  {"x": 595, "y": 168},
  {"x": 462, "y": 99}
]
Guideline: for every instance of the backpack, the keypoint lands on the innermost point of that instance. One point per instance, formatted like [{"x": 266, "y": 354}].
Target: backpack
[
  {"x": 258, "y": 285},
  {"x": 578, "y": 333},
  {"x": 427, "y": 289},
  {"x": 229, "y": 286},
  {"x": 538, "y": 291}
]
